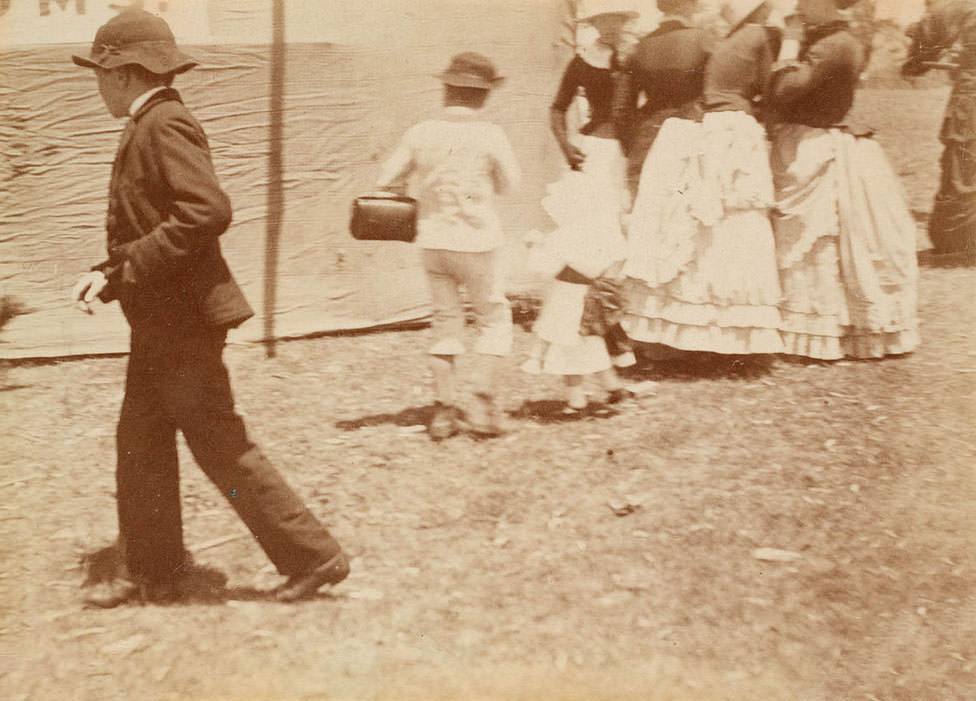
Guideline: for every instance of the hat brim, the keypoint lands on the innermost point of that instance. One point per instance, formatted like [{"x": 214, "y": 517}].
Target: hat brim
[
  {"x": 737, "y": 24},
  {"x": 627, "y": 14},
  {"x": 158, "y": 60},
  {"x": 463, "y": 80}
]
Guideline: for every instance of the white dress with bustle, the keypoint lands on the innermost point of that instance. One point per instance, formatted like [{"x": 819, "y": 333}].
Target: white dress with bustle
[{"x": 701, "y": 266}]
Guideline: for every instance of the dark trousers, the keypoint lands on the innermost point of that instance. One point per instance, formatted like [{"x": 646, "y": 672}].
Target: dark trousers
[{"x": 176, "y": 380}]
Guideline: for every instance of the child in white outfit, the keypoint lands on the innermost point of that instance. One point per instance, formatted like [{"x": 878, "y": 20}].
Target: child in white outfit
[
  {"x": 577, "y": 258},
  {"x": 459, "y": 162}
]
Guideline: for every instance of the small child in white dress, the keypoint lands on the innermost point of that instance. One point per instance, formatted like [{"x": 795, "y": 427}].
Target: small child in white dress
[{"x": 577, "y": 260}]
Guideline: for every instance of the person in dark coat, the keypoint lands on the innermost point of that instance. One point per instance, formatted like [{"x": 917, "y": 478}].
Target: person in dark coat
[
  {"x": 948, "y": 25},
  {"x": 166, "y": 213}
]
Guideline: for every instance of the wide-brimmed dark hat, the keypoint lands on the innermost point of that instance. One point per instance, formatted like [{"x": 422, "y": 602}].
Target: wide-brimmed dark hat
[
  {"x": 471, "y": 70},
  {"x": 136, "y": 37},
  {"x": 624, "y": 15},
  {"x": 588, "y": 10}
]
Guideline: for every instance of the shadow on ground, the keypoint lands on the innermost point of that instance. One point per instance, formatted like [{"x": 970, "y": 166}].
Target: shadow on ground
[
  {"x": 197, "y": 584},
  {"x": 555, "y": 411},
  {"x": 658, "y": 362},
  {"x": 411, "y": 416}
]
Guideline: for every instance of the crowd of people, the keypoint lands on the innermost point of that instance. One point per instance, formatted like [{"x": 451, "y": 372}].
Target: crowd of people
[{"x": 715, "y": 200}]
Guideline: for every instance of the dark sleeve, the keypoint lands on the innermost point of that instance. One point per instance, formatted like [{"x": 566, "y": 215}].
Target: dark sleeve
[
  {"x": 623, "y": 108},
  {"x": 197, "y": 209},
  {"x": 568, "y": 85},
  {"x": 825, "y": 63}
]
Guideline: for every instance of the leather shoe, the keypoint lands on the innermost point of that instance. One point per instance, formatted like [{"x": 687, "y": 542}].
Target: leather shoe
[
  {"x": 615, "y": 396},
  {"x": 302, "y": 586},
  {"x": 110, "y": 593}
]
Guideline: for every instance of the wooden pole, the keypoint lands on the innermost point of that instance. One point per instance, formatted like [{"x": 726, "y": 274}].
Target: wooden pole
[{"x": 276, "y": 195}]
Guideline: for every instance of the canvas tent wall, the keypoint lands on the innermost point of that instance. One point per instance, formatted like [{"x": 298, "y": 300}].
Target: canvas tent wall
[{"x": 357, "y": 74}]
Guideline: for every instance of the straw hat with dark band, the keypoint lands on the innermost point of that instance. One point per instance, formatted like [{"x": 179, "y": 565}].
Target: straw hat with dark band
[
  {"x": 136, "y": 37},
  {"x": 471, "y": 70}
]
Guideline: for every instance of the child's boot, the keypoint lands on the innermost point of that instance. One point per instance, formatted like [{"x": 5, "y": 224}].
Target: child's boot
[
  {"x": 485, "y": 418},
  {"x": 533, "y": 365},
  {"x": 443, "y": 423}
]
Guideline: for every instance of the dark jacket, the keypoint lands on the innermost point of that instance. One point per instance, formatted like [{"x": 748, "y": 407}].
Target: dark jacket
[
  {"x": 166, "y": 211},
  {"x": 738, "y": 71},
  {"x": 597, "y": 84},
  {"x": 668, "y": 67}
]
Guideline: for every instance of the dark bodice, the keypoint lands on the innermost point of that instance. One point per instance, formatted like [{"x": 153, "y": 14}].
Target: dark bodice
[
  {"x": 738, "y": 72},
  {"x": 668, "y": 67},
  {"x": 598, "y": 87}
]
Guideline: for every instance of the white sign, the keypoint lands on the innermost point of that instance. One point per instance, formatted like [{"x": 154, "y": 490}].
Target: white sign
[{"x": 33, "y": 22}]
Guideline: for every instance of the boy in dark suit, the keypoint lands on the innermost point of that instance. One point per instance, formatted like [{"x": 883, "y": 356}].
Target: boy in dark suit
[{"x": 166, "y": 212}]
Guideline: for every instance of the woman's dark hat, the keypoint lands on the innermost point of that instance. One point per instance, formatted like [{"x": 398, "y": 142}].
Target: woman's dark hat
[
  {"x": 136, "y": 37},
  {"x": 471, "y": 70}
]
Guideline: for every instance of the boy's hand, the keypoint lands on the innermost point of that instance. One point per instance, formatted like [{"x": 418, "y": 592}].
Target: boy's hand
[
  {"x": 87, "y": 289},
  {"x": 913, "y": 68},
  {"x": 574, "y": 156}
]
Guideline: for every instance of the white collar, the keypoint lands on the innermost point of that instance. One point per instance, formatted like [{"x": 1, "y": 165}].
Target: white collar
[
  {"x": 460, "y": 111},
  {"x": 143, "y": 99}
]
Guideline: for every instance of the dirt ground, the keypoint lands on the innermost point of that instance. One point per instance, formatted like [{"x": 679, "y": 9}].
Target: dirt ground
[{"x": 744, "y": 529}]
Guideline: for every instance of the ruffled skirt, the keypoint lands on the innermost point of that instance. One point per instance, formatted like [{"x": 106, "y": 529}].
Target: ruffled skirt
[
  {"x": 845, "y": 246},
  {"x": 701, "y": 265}
]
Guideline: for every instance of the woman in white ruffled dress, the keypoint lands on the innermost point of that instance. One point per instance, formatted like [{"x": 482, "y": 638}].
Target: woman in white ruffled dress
[
  {"x": 701, "y": 265},
  {"x": 845, "y": 238},
  {"x": 586, "y": 205}
]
